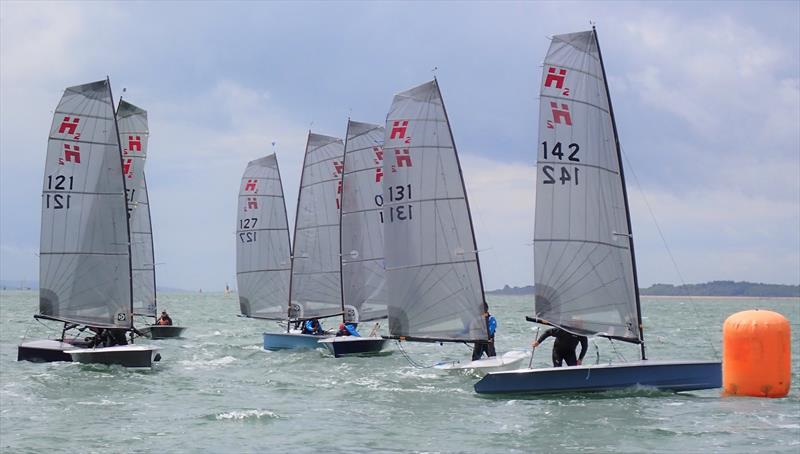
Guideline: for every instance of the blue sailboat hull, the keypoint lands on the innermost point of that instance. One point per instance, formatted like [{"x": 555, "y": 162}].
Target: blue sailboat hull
[
  {"x": 291, "y": 341},
  {"x": 663, "y": 375}
]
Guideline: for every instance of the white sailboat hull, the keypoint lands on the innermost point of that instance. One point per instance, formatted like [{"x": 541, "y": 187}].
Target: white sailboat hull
[
  {"x": 353, "y": 345},
  {"x": 122, "y": 355},
  {"x": 508, "y": 361}
]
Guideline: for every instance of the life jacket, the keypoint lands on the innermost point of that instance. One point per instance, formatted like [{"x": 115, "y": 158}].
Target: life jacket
[
  {"x": 492, "y": 325},
  {"x": 352, "y": 330}
]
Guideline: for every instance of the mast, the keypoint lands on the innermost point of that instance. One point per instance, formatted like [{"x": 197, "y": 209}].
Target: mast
[
  {"x": 624, "y": 197},
  {"x": 125, "y": 196},
  {"x": 466, "y": 198},
  {"x": 294, "y": 236}
]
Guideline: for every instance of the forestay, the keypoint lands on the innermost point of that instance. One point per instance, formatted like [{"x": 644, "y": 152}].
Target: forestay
[
  {"x": 434, "y": 287},
  {"x": 84, "y": 252},
  {"x": 316, "y": 280},
  {"x": 582, "y": 245},
  {"x": 133, "y": 137},
  {"x": 262, "y": 242},
  {"x": 362, "y": 223}
]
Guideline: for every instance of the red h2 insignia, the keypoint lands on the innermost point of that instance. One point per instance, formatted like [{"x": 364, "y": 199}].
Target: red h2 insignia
[
  {"x": 560, "y": 114},
  {"x": 378, "y": 161},
  {"x": 399, "y": 129},
  {"x": 250, "y": 185},
  {"x": 252, "y": 203},
  {"x": 134, "y": 144},
  {"x": 402, "y": 158},
  {"x": 552, "y": 77},
  {"x": 126, "y": 167},
  {"x": 338, "y": 167},
  {"x": 68, "y": 126},
  {"x": 72, "y": 153}
]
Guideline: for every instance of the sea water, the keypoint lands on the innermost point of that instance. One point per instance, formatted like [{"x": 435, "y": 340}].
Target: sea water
[{"x": 217, "y": 390}]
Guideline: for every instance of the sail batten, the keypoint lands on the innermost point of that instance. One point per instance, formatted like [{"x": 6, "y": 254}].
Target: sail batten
[
  {"x": 584, "y": 271},
  {"x": 363, "y": 279},
  {"x": 262, "y": 242},
  {"x": 434, "y": 287},
  {"x": 85, "y": 267}
]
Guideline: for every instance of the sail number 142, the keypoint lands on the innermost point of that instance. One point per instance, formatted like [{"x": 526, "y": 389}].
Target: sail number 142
[{"x": 565, "y": 174}]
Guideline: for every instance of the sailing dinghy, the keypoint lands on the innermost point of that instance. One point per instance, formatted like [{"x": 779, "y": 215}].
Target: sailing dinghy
[
  {"x": 85, "y": 259},
  {"x": 134, "y": 138},
  {"x": 263, "y": 265},
  {"x": 434, "y": 285},
  {"x": 585, "y": 269},
  {"x": 314, "y": 282},
  {"x": 361, "y": 245}
]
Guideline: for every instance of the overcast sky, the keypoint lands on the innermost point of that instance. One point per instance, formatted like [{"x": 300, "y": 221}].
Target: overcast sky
[{"x": 707, "y": 97}]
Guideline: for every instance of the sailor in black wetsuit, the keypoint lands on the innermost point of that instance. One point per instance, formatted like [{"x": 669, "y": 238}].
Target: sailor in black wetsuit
[{"x": 564, "y": 346}]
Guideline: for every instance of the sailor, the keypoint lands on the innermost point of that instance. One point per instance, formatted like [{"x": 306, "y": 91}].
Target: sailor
[
  {"x": 164, "y": 319},
  {"x": 347, "y": 329},
  {"x": 313, "y": 326},
  {"x": 564, "y": 346},
  {"x": 491, "y": 328}
]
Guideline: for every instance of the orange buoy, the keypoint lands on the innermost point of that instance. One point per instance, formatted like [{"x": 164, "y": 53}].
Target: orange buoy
[{"x": 756, "y": 354}]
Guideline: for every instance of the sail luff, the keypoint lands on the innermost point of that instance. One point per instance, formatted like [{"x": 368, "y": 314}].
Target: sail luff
[
  {"x": 127, "y": 208},
  {"x": 152, "y": 246},
  {"x": 624, "y": 196},
  {"x": 294, "y": 234},
  {"x": 466, "y": 198},
  {"x": 341, "y": 211}
]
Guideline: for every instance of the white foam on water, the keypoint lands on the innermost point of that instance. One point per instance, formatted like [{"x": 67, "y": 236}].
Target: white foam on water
[
  {"x": 102, "y": 403},
  {"x": 209, "y": 363},
  {"x": 242, "y": 415}
]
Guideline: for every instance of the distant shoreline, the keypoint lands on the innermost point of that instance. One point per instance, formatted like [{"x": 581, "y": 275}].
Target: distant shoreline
[{"x": 711, "y": 297}]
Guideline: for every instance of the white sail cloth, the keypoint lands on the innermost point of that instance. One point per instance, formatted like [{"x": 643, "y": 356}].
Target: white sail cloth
[
  {"x": 362, "y": 225},
  {"x": 582, "y": 247},
  {"x": 434, "y": 288},
  {"x": 133, "y": 137},
  {"x": 262, "y": 242},
  {"x": 84, "y": 252},
  {"x": 316, "y": 280}
]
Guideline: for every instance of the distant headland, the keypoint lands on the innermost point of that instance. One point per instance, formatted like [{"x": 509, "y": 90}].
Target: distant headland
[{"x": 713, "y": 288}]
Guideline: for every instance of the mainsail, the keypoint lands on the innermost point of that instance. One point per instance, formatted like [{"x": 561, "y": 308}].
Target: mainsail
[
  {"x": 133, "y": 138},
  {"x": 85, "y": 268},
  {"x": 316, "y": 281},
  {"x": 434, "y": 286},
  {"x": 362, "y": 224},
  {"x": 583, "y": 250},
  {"x": 262, "y": 242}
]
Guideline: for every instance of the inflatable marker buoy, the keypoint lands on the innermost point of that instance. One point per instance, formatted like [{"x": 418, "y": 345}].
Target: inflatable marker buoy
[{"x": 756, "y": 354}]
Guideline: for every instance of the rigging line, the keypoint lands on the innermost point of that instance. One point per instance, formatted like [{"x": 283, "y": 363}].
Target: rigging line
[
  {"x": 614, "y": 347},
  {"x": 409, "y": 359},
  {"x": 666, "y": 246}
]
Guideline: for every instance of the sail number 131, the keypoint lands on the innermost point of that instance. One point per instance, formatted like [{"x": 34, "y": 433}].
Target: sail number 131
[{"x": 564, "y": 174}]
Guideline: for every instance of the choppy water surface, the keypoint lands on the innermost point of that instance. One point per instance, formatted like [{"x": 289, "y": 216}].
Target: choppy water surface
[{"x": 218, "y": 391}]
